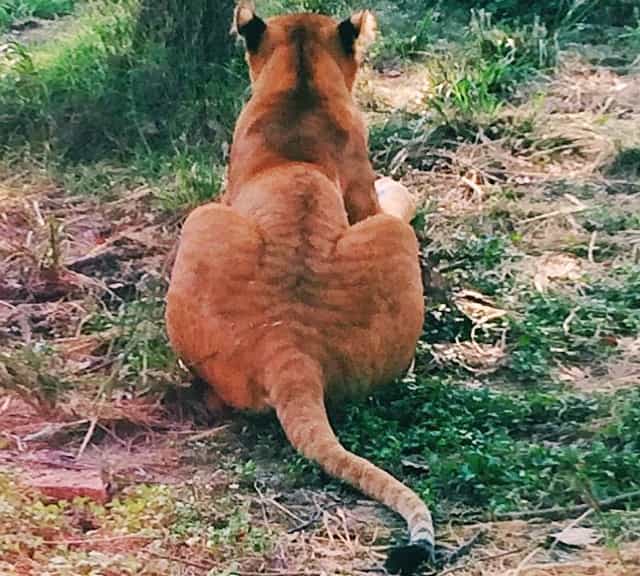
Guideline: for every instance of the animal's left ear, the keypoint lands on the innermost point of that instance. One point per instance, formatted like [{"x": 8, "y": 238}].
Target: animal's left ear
[
  {"x": 357, "y": 33},
  {"x": 248, "y": 25}
]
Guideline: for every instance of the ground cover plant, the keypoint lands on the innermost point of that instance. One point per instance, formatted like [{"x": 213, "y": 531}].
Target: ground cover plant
[{"x": 516, "y": 126}]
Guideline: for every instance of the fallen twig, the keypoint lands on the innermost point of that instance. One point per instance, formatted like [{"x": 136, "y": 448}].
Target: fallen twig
[
  {"x": 573, "y": 524},
  {"x": 311, "y": 521},
  {"x": 87, "y": 437},
  {"x": 92, "y": 540},
  {"x": 207, "y": 433},
  {"x": 465, "y": 547},
  {"x": 526, "y": 559},
  {"x": 475, "y": 187},
  {"x": 592, "y": 246},
  {"x": 180, "y": 560},
  {"x": 566, "y": 325},
  {"x": 113, "y": 435},
  {"x": 5, "y": 404},
  {"x": 556, "y": 512},
  {"x": 554, "y": 213},
  {"x": 50, "y": 430}
]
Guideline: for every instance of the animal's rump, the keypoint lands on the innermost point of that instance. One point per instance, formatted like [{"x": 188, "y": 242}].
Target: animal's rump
[{"x": 359, "y": 307}]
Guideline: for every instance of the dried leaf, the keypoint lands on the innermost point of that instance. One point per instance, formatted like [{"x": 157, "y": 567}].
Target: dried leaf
[
  {"x": 479, "y": 308},
  {"x": 577, "y": 537},
  {"x": 78, "y": 348},
  {"x": 555, "y": 267},
  {"x": 475, "y": 357},
  {"x": 415, "y": 466}
]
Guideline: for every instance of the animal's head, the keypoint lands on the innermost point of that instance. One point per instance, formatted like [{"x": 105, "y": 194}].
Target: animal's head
[{"x": 319, "y": 38}]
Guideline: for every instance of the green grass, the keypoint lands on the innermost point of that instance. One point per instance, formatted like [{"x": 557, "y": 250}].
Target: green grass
[
  {"x": 471, "y": 87},
  {"x": 12, "y": 10},
  {"x": 34, "y": 372},
  {"x": 604, "y": 311},
  {"x": 142, "y": 509},
  {"x": 497, "y": 451},
  {"x": 220, "y": 524},
  {"x": 487, "y": 450},
  {"x": 472, "y": 83},
  {"x": 117, "y": 93},
  {"x": 211, "y": 523},
  {"x": 626, "y": 164},
  {"x": 114, "y": 97},
  {"x": 611, "y": 222}
]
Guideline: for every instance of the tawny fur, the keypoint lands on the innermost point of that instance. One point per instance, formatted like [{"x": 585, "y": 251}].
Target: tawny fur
[{"x": 296, "y": 287}]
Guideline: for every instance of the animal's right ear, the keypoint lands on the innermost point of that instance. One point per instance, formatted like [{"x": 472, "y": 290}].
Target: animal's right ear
[{"x": 248, "y": 25}]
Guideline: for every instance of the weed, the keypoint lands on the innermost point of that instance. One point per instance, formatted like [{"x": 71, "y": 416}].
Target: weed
[
  {"x": 464, "y": 92},
  {"x": 409, "y": 41},
  {"x": 625, "y": 165},
  {"x": 100, "y": 179},
  {"x": 469, "y": 91},
  {"x": 560, "y": 15},
  {"x": 34, "y": 372},
  {"x": 246, "y": 472},
  {"x": 332, "y": 7},
  {"x": 631, "y": 34},
  {"x": 543, "y": 336},
  {"x": 198, "y": 180},
  {"x": 144, "y": 357},
  {"x": 524, "y": 50},
  {"x": 618, "y": 526},
  {"x": 474, "y": 260},
  {"x": 401, "y": 137},
  {"x": 145, "y": 510},
  {"x": 611, "y": 222},
  {"x": 220, "y": 526}
]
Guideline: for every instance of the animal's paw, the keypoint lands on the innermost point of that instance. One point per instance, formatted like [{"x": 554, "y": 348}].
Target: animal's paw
[
  {"x": 406, "y": 559},
  {"x": 216, "y": 407}
]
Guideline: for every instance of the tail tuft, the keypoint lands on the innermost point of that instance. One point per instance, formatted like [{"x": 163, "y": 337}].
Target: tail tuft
[{"x": 405, "y": 560}]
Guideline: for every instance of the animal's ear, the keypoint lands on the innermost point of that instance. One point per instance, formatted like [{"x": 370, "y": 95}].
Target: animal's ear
[
  {"x": 248, "y": 25},
  {"x": 357, "y": 33}
]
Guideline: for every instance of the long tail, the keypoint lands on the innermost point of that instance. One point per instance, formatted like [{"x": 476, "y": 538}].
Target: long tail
[{"x": 295, "y": 384}]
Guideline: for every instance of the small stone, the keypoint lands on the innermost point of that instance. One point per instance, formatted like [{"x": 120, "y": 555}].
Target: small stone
[{"x": 69, "y": 484}]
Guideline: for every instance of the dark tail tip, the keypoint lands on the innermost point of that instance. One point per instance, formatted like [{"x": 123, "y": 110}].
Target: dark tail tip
[{"x": 406, "y": 559}]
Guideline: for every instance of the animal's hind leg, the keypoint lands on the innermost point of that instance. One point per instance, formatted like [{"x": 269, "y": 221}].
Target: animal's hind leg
[
  {"x": 378, "y": 263},
  {"x": 381, "y": 253},
  {"x": 218, "y": 258},
  {"x": 216, "y": 407}
]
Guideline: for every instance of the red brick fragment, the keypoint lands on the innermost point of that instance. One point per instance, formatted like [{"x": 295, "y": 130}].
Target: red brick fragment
[{"x": 63, "y": 484}]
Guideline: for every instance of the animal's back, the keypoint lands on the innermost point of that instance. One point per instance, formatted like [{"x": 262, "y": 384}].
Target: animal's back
[{"x": 294, "y": 274}]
